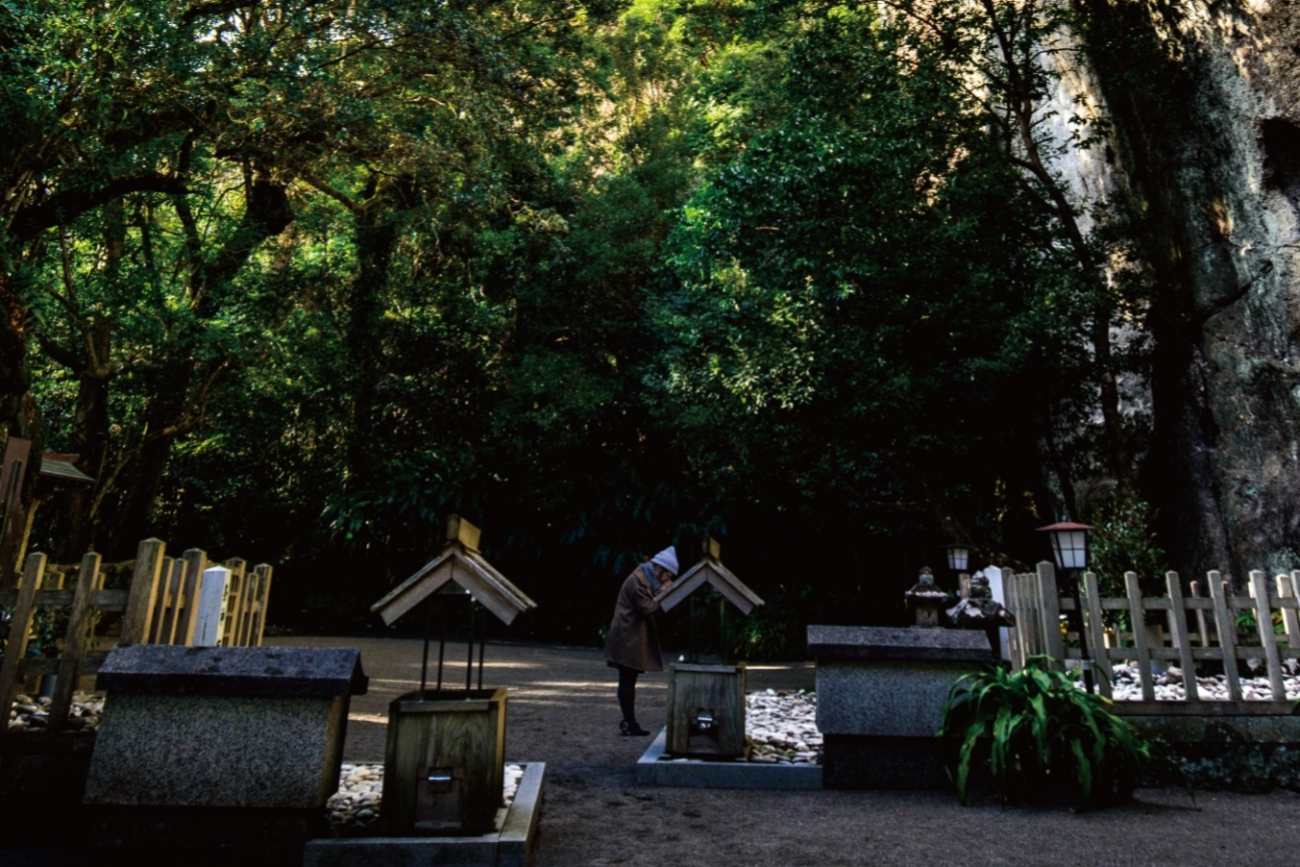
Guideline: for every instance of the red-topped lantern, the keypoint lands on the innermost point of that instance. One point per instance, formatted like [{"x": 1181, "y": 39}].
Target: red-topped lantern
[{"x": 1069, "y": 544}]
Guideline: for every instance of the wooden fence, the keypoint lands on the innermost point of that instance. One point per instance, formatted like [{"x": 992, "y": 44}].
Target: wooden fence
[
  {"x": 1196, "y": 628},
  {"x": 159, "y": 605}
]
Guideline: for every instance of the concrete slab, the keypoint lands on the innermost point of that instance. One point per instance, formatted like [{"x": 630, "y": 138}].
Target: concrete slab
[
  {"x": 510, "y": 845},
  {"x": 653, "y": 769}
]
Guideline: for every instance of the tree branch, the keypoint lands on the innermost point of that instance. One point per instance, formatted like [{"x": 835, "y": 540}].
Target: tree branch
[{"x": 64, "y": 207}]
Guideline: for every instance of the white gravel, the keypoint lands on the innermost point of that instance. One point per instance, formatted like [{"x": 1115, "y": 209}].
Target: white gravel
[
  {"x": 32, "y": 714},
  {"x": 782, "y": 727},
  {"x": 354, "y": 808},
  {"x": 1126, "y": 686}
]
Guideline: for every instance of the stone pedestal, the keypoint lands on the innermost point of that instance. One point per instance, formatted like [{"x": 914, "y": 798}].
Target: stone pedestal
[
  {"x": 252, "y": 736},
  {"x": 880, "y": 698}
]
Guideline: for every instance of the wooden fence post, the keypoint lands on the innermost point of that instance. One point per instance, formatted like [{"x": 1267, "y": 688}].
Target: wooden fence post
[
  {"x": 236, "y": 587},
  {"x": 1286, "y": 590},
  {"x": 1050, "y": 605},
  {"x": 144, "y": 591},
  {"x": 74, "y": 642},
  {"x": 20, "y": 625},
  {"x": 163, "y": 603},
  {"x": 1178, "y": 622},
  {"x": 1097, "y": 635},
  {"x": 263, "y": 596},
  {"x": 196, "y": 561},
  {"x": 1137, "y": 619},
  {"x": 1227, "y": 629},
  {"x": 1201, "y": 625},
  {"x": 177, "y": 603},
  {"x": 1267, "y": 640}
]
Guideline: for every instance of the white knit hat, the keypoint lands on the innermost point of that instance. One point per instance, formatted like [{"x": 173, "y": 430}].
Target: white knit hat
[{"x": 666, "y": 558}]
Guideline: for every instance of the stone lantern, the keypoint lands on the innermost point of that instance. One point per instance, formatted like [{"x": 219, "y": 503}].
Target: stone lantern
[{"x": 926, "y": 599}]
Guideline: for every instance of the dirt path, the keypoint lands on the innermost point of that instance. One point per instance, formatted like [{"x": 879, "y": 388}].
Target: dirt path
[{"x": 562, "y": 711}]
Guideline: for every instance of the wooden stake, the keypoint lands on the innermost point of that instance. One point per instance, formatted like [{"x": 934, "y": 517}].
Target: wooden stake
[
  {"x": 1227, "y": 629},
  {"x": 74, "y": 642},
  {"x": 1178, "y": 621},
  {"x": 143, "y": 593},
  {"x": 1137, "y": 619},
  {"x": 20, "y": 625},
  {"x": 1050, "y": 606},
  {"x": 1100, "y": 653},
  {"x": 1267, "y": 639}
]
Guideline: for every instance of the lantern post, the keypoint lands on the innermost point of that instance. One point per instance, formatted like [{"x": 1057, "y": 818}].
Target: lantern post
[{"x": 1070, "y": 551}]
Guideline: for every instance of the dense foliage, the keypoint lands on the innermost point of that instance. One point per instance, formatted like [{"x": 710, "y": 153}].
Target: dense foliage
[
  {"x": 1037, "y": 737},
  {"x": 297, "y": 279}
]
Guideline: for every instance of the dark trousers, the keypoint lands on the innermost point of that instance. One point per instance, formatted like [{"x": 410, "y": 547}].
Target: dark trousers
[{"x": 627, "y": 692}]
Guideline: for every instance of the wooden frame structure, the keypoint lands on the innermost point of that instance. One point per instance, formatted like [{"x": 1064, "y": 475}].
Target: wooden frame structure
[
  {"x": 706, "y": 703},
  {"x": 446, "y": 749}
]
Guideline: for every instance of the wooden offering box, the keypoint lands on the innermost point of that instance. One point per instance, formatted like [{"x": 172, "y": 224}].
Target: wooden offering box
[
  {"x": 706, "y": 710},
  {"x": 444, "y": 762},
  {"x": 706, "y": 703}
]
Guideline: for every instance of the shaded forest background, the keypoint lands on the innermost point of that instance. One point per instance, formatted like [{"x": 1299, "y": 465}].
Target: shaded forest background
[{"x": 295, "y": 280}]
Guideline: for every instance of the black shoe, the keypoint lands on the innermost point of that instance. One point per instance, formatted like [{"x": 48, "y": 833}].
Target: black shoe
[{"x": 631, "y": 730}]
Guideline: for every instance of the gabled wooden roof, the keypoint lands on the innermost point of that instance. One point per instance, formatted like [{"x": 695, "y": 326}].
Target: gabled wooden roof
[
  {"x": 62, "y": 468},
  {"x": 460, "y": 562},
  {"x": 710, "y": 571}
]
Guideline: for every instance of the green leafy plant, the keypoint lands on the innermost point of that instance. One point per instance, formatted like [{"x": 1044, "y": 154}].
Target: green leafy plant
[
  {"x": 1248, "y": 627},
  {"x": 1041, "y": 738},
  {"x": 1125, "y": 542}
]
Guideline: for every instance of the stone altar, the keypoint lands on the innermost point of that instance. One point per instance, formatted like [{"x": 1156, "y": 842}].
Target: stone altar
[{"x": 880, "y": 698}]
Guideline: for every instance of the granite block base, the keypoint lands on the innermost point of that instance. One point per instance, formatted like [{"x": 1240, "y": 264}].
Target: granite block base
[
  {"x": 652, "y": 769},
  {"x": 512, "y": 844},
  {"x": 206, "y": 835},
  {"x": 869, "y": 762},
  {"x": 44, "y": 769},
  {"x": 879, "y": 697},
  {"x": 218, "y": 751},
  {"x": 1235, "y": 753},
  {"x": 42, "y": 778}
]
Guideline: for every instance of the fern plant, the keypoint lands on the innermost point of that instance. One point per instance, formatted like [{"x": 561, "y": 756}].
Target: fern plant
[{"x": 1041, "y": 738}]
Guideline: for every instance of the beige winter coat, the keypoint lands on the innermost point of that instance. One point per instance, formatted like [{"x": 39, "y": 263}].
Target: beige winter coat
[{"x": 633, "y": 640}]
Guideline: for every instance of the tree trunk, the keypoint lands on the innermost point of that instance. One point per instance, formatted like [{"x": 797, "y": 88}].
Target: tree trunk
[{"x": 90, "y": 440}]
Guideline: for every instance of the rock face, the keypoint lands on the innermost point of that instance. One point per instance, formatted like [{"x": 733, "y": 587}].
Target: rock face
[{"x": 1205, "y": 103}]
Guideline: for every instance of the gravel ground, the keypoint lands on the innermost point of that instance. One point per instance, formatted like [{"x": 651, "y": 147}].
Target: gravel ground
[
  {"x": 1169, "y": 686},
  {"x": 563, "y": 711}
]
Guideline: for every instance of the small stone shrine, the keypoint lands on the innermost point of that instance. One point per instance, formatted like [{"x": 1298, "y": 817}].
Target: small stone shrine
[
  {"x": 979, "y": 610},
  {"x": 445, "y": 758},
  {"x": 706, "y": 703},
  {"x": 880, "y": 698},
  {"x": 926, "y": 599},
  {"x": 256, "y": 732}
]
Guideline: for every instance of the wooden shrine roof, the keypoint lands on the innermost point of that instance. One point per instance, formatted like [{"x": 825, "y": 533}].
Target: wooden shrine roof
[
  {"x": 712, "y": 573},
  {"x": 462, "y": 564}
]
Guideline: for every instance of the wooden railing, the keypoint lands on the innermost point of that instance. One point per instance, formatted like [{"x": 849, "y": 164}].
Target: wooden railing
[
  {"x": 1198, "y": 628},
  {"x": 159, "y": 605}
]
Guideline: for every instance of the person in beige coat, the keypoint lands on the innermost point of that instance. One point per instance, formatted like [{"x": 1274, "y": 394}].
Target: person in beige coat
[{"x": 633, "y": 643}]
